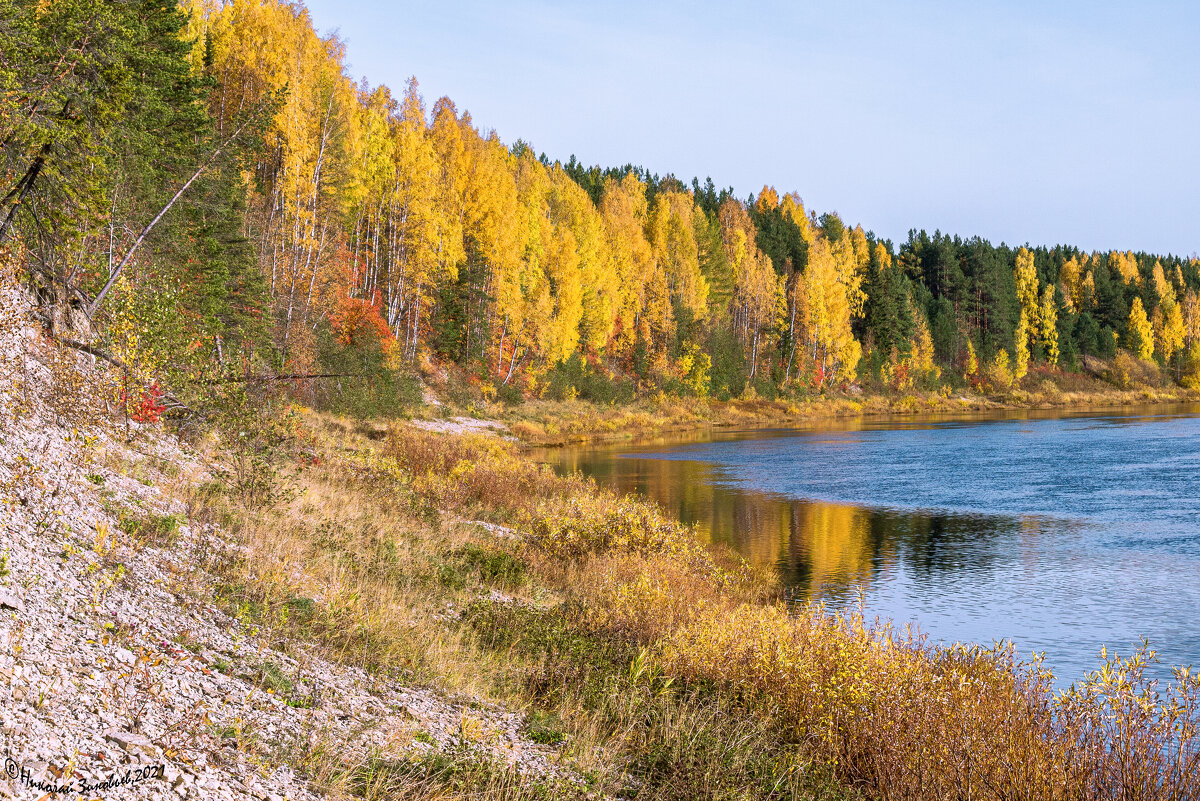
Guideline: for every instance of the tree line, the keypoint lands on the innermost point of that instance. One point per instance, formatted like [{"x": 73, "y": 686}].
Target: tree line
[{"x": 204, "y": 188}]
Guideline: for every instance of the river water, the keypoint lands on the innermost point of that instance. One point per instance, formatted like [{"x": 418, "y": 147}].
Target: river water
[{"x": 1061, "y": 534}]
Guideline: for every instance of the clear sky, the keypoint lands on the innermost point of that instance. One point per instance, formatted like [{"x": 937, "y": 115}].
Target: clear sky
[{"x": 1041, "y": 122}]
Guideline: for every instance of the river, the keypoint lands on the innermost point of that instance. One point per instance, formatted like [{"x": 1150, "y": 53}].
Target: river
[{"x": 1060, "y": 533}]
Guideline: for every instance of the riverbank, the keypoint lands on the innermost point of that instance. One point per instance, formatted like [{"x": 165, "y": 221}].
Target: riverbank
[
  {"x": 546, "y": 423},
  {"x": 846, "y": 706},
  {"x": 169, "y": 625},
  {"x": 977, "y": 525},
  {"x": 293, "y": 608},
  {"x": 311, "y": 606}
]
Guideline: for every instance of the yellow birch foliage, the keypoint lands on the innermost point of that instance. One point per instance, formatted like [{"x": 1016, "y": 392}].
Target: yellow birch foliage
[
  {"x": 1162, "y": 287},
  {"x": 261, "y": 48},
  {"x": 1168, "y": 327},
  {"x": 1141, "y": 334},
  {"x": 598, "y": 294},
  {"x": 671, "y": 232},
  {"x": 830, "y": 289},
  {"x": 971, "y": 364},
  {"x": 1020, "y": 365},
  {"x": 415, "y": 219},
  {"x": 451, "y": 175},
  {"x": 1191, "y": 316},
  {"x": 757, "y": 290},
  {"x": 1049, "y": 319},
  {"x": 999, "y": 372},
  {"x": 793, "y": 210},
  {"x": 1070, "y": 278},
  {"x": 623, "y": 212},
  {"x": 1126, "y": 266},
  {"x": 492, "y": 224},
  {"x": 1025, "y": 275}
]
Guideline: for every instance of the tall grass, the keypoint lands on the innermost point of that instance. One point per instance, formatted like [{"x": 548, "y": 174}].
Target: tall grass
[
  {"x": 888, "y": 712},
  {"x": 380, "y": 578}
]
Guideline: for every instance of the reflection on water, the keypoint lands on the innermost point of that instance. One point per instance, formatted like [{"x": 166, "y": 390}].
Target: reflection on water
[{"x": 1063, "y": 534}]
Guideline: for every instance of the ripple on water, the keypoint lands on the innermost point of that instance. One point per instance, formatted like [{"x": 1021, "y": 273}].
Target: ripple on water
[{"x": 1060, "y": 534}]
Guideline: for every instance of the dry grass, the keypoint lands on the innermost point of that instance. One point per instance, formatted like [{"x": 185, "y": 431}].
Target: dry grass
[
  {"x": 884, "y": 710},
  {"x": 362, "y": 564},
  {"x": 553, "y": 423},
  {"x": 658, "y": 659}
]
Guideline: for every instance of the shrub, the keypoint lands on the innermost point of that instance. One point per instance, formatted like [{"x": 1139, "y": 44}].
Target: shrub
[
  {"x": 598, "y": 523},
  {"x": 1191, "y": 366},
  {"x": 495, "y": 566},
  {"x": 255, "y": 434},
  {"x": 908, "y": 720},
  {"x": 1128, "y": 371},
  {"x": 464, "y": 472},
  {"x": 643, "y": 597},
  {"x": 367, "y": 385},
  {"x": 999, "y": 374}
]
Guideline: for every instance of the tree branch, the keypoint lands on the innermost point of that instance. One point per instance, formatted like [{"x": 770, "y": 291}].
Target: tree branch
[
  {"x": 116, "y": 272},
  {"x": 288, "y": 377}
]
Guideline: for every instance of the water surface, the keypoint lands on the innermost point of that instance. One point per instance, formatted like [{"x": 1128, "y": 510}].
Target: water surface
[{"x": 1062, "y": 534}]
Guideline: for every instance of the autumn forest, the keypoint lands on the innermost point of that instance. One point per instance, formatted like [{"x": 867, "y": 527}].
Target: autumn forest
[{"x": 208, "y": 187}]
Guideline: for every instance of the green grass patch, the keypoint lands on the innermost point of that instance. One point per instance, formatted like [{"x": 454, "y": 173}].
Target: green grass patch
[
  {"x": 152, "y": 529},
  {"x": 545, "y": 728}
]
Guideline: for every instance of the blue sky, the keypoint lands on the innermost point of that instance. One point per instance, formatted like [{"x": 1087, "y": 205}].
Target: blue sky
[{"x": 1021, "y": 122}]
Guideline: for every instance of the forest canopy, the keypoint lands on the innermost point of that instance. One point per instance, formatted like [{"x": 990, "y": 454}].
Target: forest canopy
[{"x": 204, "y": 188}]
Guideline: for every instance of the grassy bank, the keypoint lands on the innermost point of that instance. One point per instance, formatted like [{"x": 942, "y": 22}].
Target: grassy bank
[
  {"x": 395, "y": 580},
  {"x": 660, "y": 669},
  {"x": 564, "y": 422}
]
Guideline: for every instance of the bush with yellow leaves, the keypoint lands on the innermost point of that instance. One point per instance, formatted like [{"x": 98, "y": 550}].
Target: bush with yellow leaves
[{"x": 885, "y": 710}]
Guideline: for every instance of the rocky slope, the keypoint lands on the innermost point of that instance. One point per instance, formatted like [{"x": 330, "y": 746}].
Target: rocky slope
[{"x": 118, "y": 678}]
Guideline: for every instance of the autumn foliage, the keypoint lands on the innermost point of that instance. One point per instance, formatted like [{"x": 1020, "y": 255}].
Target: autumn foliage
[
  {"x": 316, "y": 212},
  {"x": 892, "y": 713}
]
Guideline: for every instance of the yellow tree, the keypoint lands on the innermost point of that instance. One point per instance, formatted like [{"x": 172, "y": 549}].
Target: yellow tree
[
  {"x": 261, "y": 48},
  {"x": 1191, "y": 316},
  {"x": 1049, "y": 319},
  {"x": 757, "y": 290},
  {"x": 1169, "y": 329},
  {"x": 1141, "y": 334},
  {"x": 1162, "y": 287},
  {"x": 852, "y": 263},
  {"x": 527, "y": 297},
  {"x": 1087, "y": 287},
  {"x": 1070, "y": 278},
  {"x": 558, "y": 335},
  {"x": 492, "y": 228},
  {"x": 372, "y": 179},
  {"x": 792, "y": 208},
  {"x": 1020, "y": 363},
  {"x": 1126, "y": 266},
  {"x": 446, "y": 136},
  {"x": 1025, "y": 275},
  {"x": 413, "y": 221},
  {"x": 830, "y": 309},
  {"x": 971, "y": 364},
  {"x": 671, "y": 233},
  {"x": 642, "y": 299},
  {"x": 573, "y": 259},
  {"x": 572, "y": 209}
]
